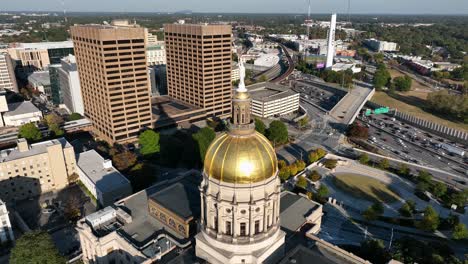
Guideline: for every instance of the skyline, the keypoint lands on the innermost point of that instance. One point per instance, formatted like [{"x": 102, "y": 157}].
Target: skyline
[{"x": 431, "y": 7}]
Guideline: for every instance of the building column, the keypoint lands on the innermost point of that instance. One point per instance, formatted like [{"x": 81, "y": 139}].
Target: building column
[{"x": 202, "y": 208}]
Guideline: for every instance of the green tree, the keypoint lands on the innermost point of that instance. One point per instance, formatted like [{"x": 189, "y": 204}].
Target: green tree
[
  {"x": 405, "y": 210},
  {"x": 52, "y": 119},
  {"x": 30, "y": 132},
  {"x": 293, "y": 169},
  {"x": 303, "y": 122},
  {"x": 149, "y": 142},
  {"x": 282, "y": 164},
  {"x": 321, "y": 153},
  {"x": 263, "y": 78},
  {"x": 301, "y": 182},
  {"x": 74, "y": 117},
  {"x": 460, "y": 232},
  {"x": 430, "y": 221},
  {"x": 277, "y": 132},
  {"x": 438, "y": 189},
  {"x": 203, "y": 138},
  {"x": 300, "y": 164},
  {"x": 384, "y": 164},
  {"x": 459, "y": 198},
  {"x": 404, "y": 170},
  {"x": 124, "y": 160},
  {"x": 56, "y": 130},
  {"x": 315, "y": 176},
  {"x": 381, "y": 77},
  {"x": 284, "y": 173},
  {"x": 322, "y": 192},
  {"x": 403, "y": 83},
  {"x": 373, "y": 212},
  {"x": 313, "y": 157},
  {"x": 330, "y": 164},
  {"x": 35, "y": 247},
  {"x": 364, "y": 158},
  {"x": 260, "y": 126}
]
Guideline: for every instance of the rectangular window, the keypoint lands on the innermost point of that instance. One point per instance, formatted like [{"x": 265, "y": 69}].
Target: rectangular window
[
  {"x": 257, "y": 226},
  {"x": 228, "y": 228},
  {"x": 243, "y": 229}
]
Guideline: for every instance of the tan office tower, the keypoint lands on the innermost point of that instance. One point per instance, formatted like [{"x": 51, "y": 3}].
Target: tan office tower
[
  {"x": 199, "y": 66},
  {"x": 114, "y": 80}
]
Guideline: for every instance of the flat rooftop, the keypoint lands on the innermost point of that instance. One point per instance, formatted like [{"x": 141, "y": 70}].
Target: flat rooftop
[
  {"x": 21, "y": 108},
  {"x": 40, "y": 77},
  {"x": 267, "y": 91},
  {"x": 167, "y": 111},
  {"x": 34, "y": 149},
  {"x": 105, "y": 179},
  {"x": 143, "y": 228},
  {"x": 45, "y": 45},
  {"x": 294, "y": 209}
]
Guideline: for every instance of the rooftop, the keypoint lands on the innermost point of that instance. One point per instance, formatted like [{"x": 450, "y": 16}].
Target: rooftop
[
  {"x": 25, "y": 107},
  {"x": 294, "y": 209},
  {"x": 105, "y": 178},
  {"x": 45, "y": 45},
  {"x": 267, "y": 91},
  {"x": 177, "y": 199},
  {"x": 177, "y": 194},
  {"x": 34, "y": 149},
  {"x": 40, "y": 78}
]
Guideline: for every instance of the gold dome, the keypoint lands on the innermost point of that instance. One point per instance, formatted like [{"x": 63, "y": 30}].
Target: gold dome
[
  {"x": 241, "y": 96},
  {"x": 240, "y": 159}
]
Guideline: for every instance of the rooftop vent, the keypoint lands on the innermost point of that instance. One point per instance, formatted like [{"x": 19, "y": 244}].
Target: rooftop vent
[{"x": 107, "y": 164}]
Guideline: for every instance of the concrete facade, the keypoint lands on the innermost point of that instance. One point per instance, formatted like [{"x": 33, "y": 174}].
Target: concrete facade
[
  {"x": 70, "y": 85},
  {"x": 156, "y": 54},
  {"x": 199, "y": 66},
  {"x": 270, "y": 100},
  {"x": 7, "y": 73},
  {"x": 114, "y": 80},
  {"x": 30, "y": 170}
]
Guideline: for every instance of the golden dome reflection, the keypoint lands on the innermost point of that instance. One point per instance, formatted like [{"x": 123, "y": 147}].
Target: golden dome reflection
[{"x": 240, "y": 159}]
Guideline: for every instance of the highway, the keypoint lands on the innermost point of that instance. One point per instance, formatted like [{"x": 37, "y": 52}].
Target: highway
[
  {"x": 345, "y": 111},
  {"x": 413, "y": 145}
]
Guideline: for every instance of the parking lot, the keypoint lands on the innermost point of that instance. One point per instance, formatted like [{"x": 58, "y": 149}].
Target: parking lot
[{"x": 411, "y": 144}]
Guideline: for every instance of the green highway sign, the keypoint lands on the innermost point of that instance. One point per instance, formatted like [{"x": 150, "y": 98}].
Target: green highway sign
[{"x": 382, "y": 110}]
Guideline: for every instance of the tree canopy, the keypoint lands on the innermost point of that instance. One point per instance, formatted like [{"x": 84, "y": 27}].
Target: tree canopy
[
  {"x": 30, "y": 132},
  {"x": 35, "y": 247},
  {"x": 277, "y": 132},
  {"x": 381, "y": 77},
  {"x": 403, "y": 83},
  {"x": 260, "y": 126},
  {"x": 203, "y": 138},
  {"x": 430, "y": 221},
  {"x": 74, "y": 117},
  {"x": 149, "y": 142}
]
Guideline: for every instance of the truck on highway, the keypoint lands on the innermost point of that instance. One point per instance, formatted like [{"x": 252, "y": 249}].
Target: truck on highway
[{"x": 452, "y": 149}]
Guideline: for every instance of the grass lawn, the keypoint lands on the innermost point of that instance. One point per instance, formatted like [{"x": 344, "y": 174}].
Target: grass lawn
[
  {"x": 365, "y": 188},
  {"x": 412, "y": 103}
]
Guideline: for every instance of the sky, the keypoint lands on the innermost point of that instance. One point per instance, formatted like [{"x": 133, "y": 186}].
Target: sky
[{"x": 245, "y": 6}]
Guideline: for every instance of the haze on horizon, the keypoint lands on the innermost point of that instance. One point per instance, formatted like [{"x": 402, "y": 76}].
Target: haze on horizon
[{"x": 244, "y": 6}]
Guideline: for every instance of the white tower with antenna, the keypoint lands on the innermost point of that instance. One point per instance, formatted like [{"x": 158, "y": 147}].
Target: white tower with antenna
[{"x": 331, "y": 42}]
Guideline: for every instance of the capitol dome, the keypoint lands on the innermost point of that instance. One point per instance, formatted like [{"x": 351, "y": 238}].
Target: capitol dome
[{"x": 240, "y": 159}]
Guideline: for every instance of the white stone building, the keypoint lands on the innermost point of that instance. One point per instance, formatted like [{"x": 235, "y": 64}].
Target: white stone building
[
  {"x": 70, "y": 85},
  {"x": 6, "y": 232}
]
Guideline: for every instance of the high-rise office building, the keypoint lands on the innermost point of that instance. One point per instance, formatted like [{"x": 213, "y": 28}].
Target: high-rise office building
[
  {"x": 199, "y": 66},
  {"x": 114, "y": 79}
]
